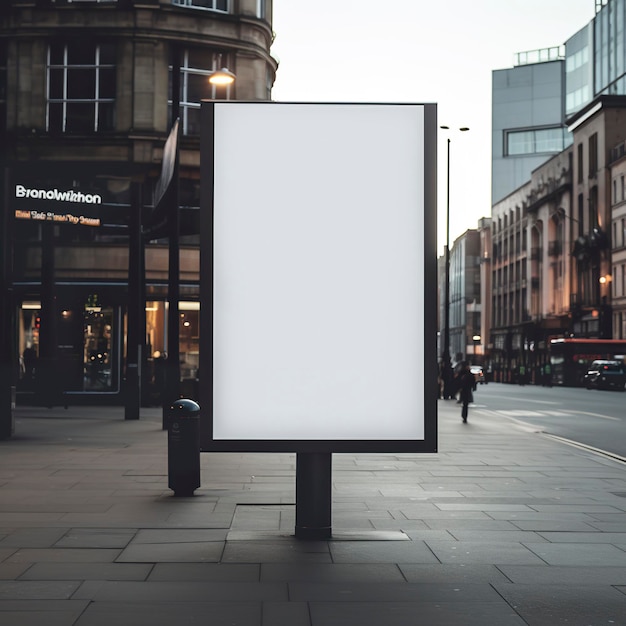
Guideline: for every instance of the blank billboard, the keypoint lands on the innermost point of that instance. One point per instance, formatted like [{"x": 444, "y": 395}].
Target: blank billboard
[{"x": 318, "y": 296}]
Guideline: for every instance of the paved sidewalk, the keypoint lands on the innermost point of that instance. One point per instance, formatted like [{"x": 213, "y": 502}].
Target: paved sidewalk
[{"x": 502, "y": 527}]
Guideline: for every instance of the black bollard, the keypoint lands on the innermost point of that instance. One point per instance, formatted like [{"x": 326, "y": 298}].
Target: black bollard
[{"x": 183, "y": 447}]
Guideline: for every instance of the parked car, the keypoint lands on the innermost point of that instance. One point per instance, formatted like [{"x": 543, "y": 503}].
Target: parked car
[
  {"x": 478, "y": 372},
  {"x": 606, "y": 375}
]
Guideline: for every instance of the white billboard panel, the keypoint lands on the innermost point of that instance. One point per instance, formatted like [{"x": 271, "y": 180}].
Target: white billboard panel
[{"x": 318, "y": 295}]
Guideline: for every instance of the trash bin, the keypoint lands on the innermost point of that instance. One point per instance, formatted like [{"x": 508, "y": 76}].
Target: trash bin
[{"x": 183, "y": 447}]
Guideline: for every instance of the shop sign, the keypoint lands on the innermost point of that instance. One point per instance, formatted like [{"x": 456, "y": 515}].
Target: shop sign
[{"x": 48, "y": 205}]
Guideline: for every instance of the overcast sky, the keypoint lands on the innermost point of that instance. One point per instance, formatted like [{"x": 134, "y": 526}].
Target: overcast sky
[{"x": 441, "y": 51}]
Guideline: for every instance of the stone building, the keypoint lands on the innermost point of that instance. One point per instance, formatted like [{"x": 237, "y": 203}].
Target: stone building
[{"x": 86, "y": 101}]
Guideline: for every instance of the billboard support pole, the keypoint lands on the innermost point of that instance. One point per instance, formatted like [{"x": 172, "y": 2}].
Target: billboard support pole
[{"x": 313, "y": 495}]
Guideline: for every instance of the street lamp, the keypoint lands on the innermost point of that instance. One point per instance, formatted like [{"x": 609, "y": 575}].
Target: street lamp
[
  {"x": 445, "y": 357},
  {"x": 223, "y": 77}
]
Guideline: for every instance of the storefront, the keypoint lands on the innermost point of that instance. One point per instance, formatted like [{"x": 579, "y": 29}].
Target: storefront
[
  {"x": 91, "y": 347},
  {"x": 71, "y": 291}
]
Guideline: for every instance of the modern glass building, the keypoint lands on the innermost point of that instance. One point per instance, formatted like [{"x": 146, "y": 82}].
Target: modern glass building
[
  {"x": 532, "y": 100},
  {"x": 528, "y": 118}
]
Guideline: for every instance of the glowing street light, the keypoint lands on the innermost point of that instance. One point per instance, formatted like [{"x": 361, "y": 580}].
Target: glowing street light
[{"x": 222, "y": 77}]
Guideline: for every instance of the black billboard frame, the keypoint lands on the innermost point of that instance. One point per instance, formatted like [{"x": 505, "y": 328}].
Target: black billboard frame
[{"x": 318, "y": 446}]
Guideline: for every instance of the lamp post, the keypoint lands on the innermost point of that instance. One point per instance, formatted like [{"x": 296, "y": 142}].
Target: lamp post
[
  {"x": 222, "y": 77},
  {"x": 445, "y": 357}
]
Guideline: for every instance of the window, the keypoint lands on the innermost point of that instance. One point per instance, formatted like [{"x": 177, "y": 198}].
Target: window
[
  {"x": 208, "y": 5},
  {"x": 577, "y": 60},
  {"x": 82, "y": 1},
  {"x": 197, "y": 64},
  {"x": 581, "y": 216},
  {"x": 577, "y": 98},
  {"x": 622, "y": 186},
  {"x": 579, "y": 164},
  {"x": 81, "y": 87},
  {"x": 3, "y": 86},
  {"x": 593, "y": 208},
  {"x": 593, "y": 155},
  {"x": 539, "y": 140}
]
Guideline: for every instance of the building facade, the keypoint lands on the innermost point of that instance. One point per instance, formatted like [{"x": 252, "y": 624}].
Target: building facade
[
  {"x": 86, "y": 104},
  {"x": 597, "y": 128},
  {"x": 465, "y": 304},
  {"x": 556, "y": 185},
  {"x": 532, "y": 101},
  {"x": 483, "y": 345},
  {"x": 618, "y": 239},
  {"x": 530, "y": 270},
  {"x": 558, "y": 260}
]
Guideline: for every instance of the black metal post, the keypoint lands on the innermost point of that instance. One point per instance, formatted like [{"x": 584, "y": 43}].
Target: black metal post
[
  {"x": 173, "y": 288},
  {"x": 313, "y": 495},
  {"x": 7, "y": 357},
  {"x": 134, "y": 342},
  {"x": 445, "y": 357}
]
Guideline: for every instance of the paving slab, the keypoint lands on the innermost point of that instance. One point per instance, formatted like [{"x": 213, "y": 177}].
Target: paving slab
[
  {"x": 209, "y": 572},
  {"x": 167, "y": 613},
  {"x": 411, "y": 613},
  {"x": 502, "y": 526},
  {"x": 87, "y": 571},
  {"x": 574, "y": 605},
  {"x": 175, "y": 552},
  {"x": 564, "y": 575},
  {"x": 41, "y": 612},
  {"x": 331, "y": 573}
]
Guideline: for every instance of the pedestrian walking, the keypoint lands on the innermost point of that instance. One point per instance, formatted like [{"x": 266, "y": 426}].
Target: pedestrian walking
[{"x": 467, "y": 385}]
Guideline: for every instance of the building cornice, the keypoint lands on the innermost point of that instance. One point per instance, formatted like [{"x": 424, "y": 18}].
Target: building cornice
[{"x": 596, "y": 105}]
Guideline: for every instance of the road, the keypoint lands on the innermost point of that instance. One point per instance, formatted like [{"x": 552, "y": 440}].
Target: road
[{"x": 589, "y": 417}]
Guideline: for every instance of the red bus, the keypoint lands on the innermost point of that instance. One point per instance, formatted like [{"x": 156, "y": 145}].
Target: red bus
[{"x": 570, "y": 358}]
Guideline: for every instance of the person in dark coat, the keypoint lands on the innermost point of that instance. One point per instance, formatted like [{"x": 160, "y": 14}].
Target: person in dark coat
[{"x": 467, "y": 385}]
